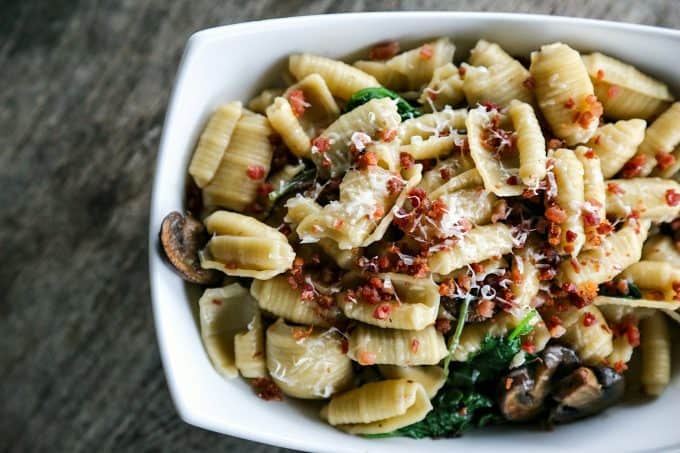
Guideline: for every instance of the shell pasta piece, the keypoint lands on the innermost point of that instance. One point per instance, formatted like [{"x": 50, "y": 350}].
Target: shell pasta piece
[
  {"x": 656, "y": 354},
  {"x": 445, "y": 88},
  {"x": 284, "y": 121},
  {"x": 648, "y": 197},
  {"x": 530, "y": 143},
  {"x": 342, "y": 79},
  {"x": 259, "y": 103},
  {"x": 370, "y": 345},
  {"x": 244, "y": 166},
  {"x": 223, "y": 312},
  {"x": 565, "y": 93},
  {"x": 277, "y": 297},
  {"x": 495, "y": 76},
  {"x": 249, "y": 349},
  {"x": 414, "y": 305},
  {"x": 654, "y": 275},
  {"x": 591, "y": 340},
  {"x": 662, "y": 136},
  {"x": 569, "y": 177},
  {"x": 616, "y": 143},
  {"x": 307, "y": 362},
  {"x": 661, "y": 248},
  {"x": 594, "y": 194},
  {"x": 617, "y": 251},
  {"x": 478, "y": 244},
  {"x": 378, "y": 407},
  {"x": 431, "y": 377},
  {"x": 497, "y": 171},
  {"x": 437, "y": 124},
  {"x": 387, "y": 76},
  {"x": 213, "y": 142},
  {"x": 418, "y": 65},
  {"x": 624, "y": 91}
]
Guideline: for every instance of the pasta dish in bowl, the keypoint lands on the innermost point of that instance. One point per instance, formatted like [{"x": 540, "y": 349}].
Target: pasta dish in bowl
[{"x": 427, "y": 241}]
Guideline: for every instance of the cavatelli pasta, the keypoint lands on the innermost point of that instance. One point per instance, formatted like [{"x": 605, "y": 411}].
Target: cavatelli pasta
[
  {"x": 213, "y": 142},
  {"x": 414, "y": 306},
  {"x": 223, "y": 312},
  {"x": 495, "y": 76},
  {"x": 370, "y": 345},
  {"x": 569, "y": 177},
  {"x": 245, "y": 164},
  {"x": 565, "y": 93},
  {"x": 445, "y": 88},
  {"x": 378, "y": 407},
  {"x": 419, "y": 65},
  {"x": 342, "y": 79},
  {"x": 277, "y": 297},
  {"x": 662, "y": 136},
  {"x": 624, "y": 91},
  {"x": 530, "y": 143},
  {"x": 616, "y": 143},
  {"x": 249, "y": 349},
  {"x": 478, "y": 244},
  {"x": 431, "y": 377},
  {"x": 307, "y": 362},
  {"x": 649, "y": 197},
  {"x": 283, "y": 120},
  {"x": 656, "y": 354}
]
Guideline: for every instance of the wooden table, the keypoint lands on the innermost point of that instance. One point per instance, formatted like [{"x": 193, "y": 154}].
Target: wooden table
[{"x": 83, "y": 90}]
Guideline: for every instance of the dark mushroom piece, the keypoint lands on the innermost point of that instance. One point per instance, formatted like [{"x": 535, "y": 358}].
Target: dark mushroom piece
[
  {"x": 586, "y": 391},
  {"x": 181, "y": 238},
  {"x": 524, "y": 390}
]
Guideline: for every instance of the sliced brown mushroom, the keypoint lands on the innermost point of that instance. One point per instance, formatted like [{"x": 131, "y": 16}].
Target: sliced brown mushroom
[
  {"x": 524, "y": 390},
  {"x": 586, "y": 391},
  {"x": 181, "y": 238}
]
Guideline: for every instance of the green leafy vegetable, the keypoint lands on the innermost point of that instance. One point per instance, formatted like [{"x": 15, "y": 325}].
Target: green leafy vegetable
[
  {"x": 633, "y": 291},
  {"x": 467, "y": 400},
  {"x": 298, "y": 181},
  {"x": 406, "y": 110}
]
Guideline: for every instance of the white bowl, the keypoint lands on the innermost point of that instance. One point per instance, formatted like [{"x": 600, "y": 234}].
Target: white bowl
[{"x": 234, "y": 62}]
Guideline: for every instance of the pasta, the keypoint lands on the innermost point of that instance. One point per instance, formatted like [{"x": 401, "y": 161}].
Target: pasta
[
  {"x": 307, "y": 362},
  {"x": 223, "y": 312},
  {"x": 245, "y": 163},
  {"x": 565, "y": 93},
  {"x": 646, "y": 196},
  {"x": 372, "y": 345},
  {"x": 378, "y": 407},
  {"x": 430, "y": 246},
  {"x": 656, "y": 354},
  {"x": 213, "y": 142},
  {"x": 661, "y": 138},
  {"x": 495, "y": 76},
  {"x": 624, "y": 91},
  {"x": 616, "y": 143}
]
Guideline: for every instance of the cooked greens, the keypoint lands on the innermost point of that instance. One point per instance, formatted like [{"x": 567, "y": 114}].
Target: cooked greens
[{"x": 406, "y": 110}]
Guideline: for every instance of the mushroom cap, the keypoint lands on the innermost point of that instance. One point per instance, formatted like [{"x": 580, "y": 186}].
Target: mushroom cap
[
  {"x": 586, "y": 391},
  {"x": 181, "y": 238}
]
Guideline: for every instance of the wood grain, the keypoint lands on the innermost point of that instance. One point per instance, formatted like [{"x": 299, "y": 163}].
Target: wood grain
[{"x": 83, "y": 90}]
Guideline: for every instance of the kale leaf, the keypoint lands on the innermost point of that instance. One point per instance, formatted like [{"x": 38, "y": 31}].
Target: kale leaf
[
  {"x": 298, "y": 181},
  {"x": 467, "y": 399},
  {"x": 406, "y": 110}
]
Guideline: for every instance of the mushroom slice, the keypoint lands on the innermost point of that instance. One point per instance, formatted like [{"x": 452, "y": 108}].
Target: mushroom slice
[
  {"x": 586, "y": 391},
  {"x": 524, "y": 389},
  {"x": 181, "y": 237}
]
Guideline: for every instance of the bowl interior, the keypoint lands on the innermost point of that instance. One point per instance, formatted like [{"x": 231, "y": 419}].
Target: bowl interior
[{"x": 234, "y": 63}]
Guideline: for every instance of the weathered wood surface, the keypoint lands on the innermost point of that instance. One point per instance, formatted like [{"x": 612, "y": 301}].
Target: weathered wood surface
[{"x": 83, "y": 90}]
